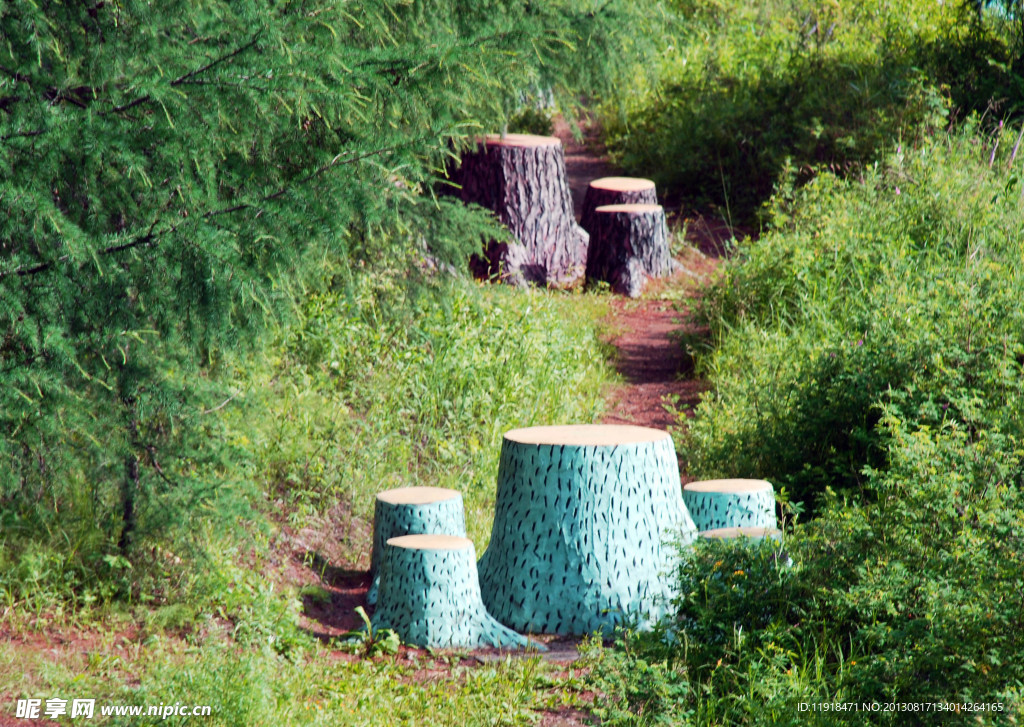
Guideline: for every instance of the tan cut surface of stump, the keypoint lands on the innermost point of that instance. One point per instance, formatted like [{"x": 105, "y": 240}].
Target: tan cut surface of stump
[
  {"x": 416, "y": 495},
  {"x": 632, "y": 208},
  {"x": 586, "y": 435},
  {"x": 728, "y": 486},
  {"x": 522, "y": 140},
  {"x": 622, "y": 184},
  {"x": 727, "y": 533},
  {"x": 431, "y": 542}
]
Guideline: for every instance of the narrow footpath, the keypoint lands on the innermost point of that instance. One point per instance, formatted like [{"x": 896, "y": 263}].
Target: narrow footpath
[{"x": 656, "y": 371}]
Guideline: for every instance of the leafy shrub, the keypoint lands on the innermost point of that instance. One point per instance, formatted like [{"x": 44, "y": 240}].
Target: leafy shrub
[
  {"x": 899, "y": 291},
  {"x": 745, "y": 89},
  {"x": 867, "y": 355}
]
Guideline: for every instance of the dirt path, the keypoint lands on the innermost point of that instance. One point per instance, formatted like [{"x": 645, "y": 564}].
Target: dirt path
[{"x": 656, "y": 371}]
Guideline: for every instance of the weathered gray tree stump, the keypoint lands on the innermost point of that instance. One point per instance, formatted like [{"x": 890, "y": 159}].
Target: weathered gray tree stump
[
  {"x": 732, "y": 503},
  {"x": 411, "y": 511},
  {"x": 585, "y": 527},
  {"x": 522, "y": 179},
  {"x": 615, "y": 190},
  {"x": 629, "y": 243},
  {"x": 430, "y": 595}
]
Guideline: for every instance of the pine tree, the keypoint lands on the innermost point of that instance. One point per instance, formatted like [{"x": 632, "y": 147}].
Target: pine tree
[{"x": 168, "y": 170}]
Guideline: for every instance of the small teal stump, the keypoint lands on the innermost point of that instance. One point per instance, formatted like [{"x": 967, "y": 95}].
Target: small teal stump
[
  {"x": 715, "y": 504},
  {"x": 412, "y": 511},
  {"x": 430, "y": 595},
  {"x": 752, "y": 534},
  {"x": 585, "y": 528}
]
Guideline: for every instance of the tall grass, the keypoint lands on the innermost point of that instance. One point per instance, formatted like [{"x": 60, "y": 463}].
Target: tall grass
[{"x": 386, "y": 385}]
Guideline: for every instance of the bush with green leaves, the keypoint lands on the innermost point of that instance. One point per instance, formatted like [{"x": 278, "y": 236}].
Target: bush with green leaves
[
  {"x": 898, "y": 292},
  {"x": 867, "y": 357},
  {"x": 745, "y": 89}
]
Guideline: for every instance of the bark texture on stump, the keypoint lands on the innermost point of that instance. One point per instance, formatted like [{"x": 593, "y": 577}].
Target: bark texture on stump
[
  {"x": 522, "y": 179},
  {"x": 585, "y": 524},
  {"x": 615, "y": 190},
  {"x": 715, "y": 504},
  {"x": 412, "y": 511},
  {"x": 629, "y": 243},
  {"x": 430, "y": 595}
]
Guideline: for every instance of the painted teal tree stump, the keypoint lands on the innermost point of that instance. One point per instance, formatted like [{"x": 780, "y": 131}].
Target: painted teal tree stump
[
  {"x": 430, "y": 595},
  {"x": 731, "y": 504},
  {"x": 584, "y": 528},
  {"x": 751, "y": 534},
  {"x": 412, "y": 511}
]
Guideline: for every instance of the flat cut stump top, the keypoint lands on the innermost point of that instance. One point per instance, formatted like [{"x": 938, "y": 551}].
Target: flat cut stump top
[
  {"x": 622, "y": 184},
  {"x": 431, "y": 542},
  {"x": 628, "y": 208},
  {"x": 727, "y": 533},
  {"x": 586, "y": 435},
  {"x": 416, "y": 495},
  {"x": 522, "y": 140},
  {"x": 728, "y": 486}
]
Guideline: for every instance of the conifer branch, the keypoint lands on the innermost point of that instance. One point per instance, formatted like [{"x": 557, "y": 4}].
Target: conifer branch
[
  {"x": 150, "y": 236},
  {"x": 185, "y": 77},
  {"x": 21, "y": 77}
]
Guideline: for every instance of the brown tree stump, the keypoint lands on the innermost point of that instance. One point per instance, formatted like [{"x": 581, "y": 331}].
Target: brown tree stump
[
  {"x": 522, "y": 179},
  {"x": 615, "y": 190},
  {"x": 629, "y": 243}
]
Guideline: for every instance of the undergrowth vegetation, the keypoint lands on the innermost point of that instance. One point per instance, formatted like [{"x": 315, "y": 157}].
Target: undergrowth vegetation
[
  {"x": 385, "y": 384},
  {"x": 745, "y": 90},
  {"x": 230, "y": 313},
  {"x": 867, "y": 357}
]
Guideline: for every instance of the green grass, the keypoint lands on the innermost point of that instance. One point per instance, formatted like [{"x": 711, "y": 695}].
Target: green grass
[
  {"x": 382, "y": 382},
  {"x": 383, "y": 386}
]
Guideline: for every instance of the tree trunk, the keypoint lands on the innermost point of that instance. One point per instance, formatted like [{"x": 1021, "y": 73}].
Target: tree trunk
[
  {"x": 412, "y": 511},
  {"x": 522, "y": 179},
  {"x": 430, "y": 595},
  {"x": 585, "y": 527},
  {"x": 715, "y": 504},
  {"x": 629, "y": 243},
  {"x": 614, "y": 190}
]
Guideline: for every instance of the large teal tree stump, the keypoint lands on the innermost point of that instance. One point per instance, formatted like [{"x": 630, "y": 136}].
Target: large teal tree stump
[
  {"x": 412, "y": 511},
  {"x": 584, "y": 528},
  {"x": 715, "y": 504},
  {"x": 430, "y": 595}
]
